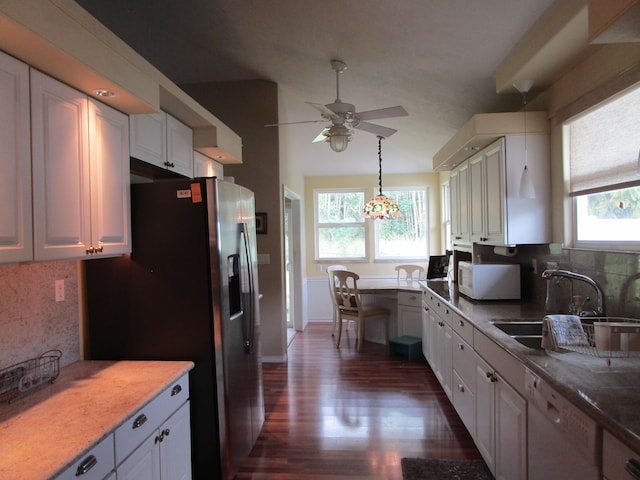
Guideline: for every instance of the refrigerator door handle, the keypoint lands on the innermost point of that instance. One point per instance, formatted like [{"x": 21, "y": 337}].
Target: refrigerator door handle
[{"x": 250, "y": 317}]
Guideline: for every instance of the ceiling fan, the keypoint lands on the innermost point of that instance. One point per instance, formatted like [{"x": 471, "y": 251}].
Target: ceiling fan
[{"x": 344, "y": 118}]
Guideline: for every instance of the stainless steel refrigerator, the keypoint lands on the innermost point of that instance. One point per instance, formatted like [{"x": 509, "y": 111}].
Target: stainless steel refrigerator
[{"x": 189, "y": 290}]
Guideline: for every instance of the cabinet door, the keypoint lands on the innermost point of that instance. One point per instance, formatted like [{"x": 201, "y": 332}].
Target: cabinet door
[
  {"x": 175, "y": 447},
  {"x": 495, "y": 195},
  {"x": 476, "y": 199},
  {"x": 485, "y": 412},
  {"x": 148, "y": 137},
  {"x": 179, "y": 147},
  {"x": 16, "y": 236},
  {"x": 511, "y": 433},
  {"x": 444, "y": 369},
  {"x": 109, "y": 157},
  {"x": 60, "y": 161},
  {"x": 459, "y": 201},
  {"x": 427, "y": 342},
  {"x": 143, "y": 463}
]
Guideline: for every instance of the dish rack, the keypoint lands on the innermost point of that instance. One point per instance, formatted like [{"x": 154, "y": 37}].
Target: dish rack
[
  {"x": 19, "y": 379},
  {"x": 606, "y": 337}
]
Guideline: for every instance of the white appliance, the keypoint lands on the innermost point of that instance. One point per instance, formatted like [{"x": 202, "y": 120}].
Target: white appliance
[
  {"x": 562, "y": 441},
  {"x": 489, "y": 281}
]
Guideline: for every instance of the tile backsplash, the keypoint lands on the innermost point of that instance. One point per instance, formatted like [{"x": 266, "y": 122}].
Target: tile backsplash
[{"x": 31, "y": 321}]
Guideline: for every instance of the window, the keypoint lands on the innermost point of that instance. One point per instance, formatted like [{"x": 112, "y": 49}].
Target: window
[
  {"x": 340, "y": 228},
  {"x": 342, "y": 233},
  {"x": 603, "y": 147},
  {"x": 404, "y": 237}
]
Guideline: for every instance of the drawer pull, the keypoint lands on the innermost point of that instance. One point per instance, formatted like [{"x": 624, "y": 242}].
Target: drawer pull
[
  {"x": 139, "y": 421},
  {"x": 461, "y": 388},
  {"x": 176, "y": 390},
  {"x": 446, "y": 311},
  {"x": 461, "y": 346},
  {"x": 632, "y": 467},
  {"x": 86, "y": 465},
  {"x": 460, "y": 323}
]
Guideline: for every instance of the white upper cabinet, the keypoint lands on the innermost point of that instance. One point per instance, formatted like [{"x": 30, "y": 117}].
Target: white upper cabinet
[
  {"x": 203, "y": 166},
  {"x": 16, "y": 238},
  {"x": 148, "y": 137},
  {"x": 495, "y": 207},
  {"x": 162, "y": 140},
  {"x": 81, "y": 192},
  {"x": 109, "y": 169},
  {"x": 179, "y": 147}
]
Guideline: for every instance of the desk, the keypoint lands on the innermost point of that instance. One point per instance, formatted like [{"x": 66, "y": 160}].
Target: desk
[
  {"x": 403, "y": 300},
  {"x": 387, "y": 285}
]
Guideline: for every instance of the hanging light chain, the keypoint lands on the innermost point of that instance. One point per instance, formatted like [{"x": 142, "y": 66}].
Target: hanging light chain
[{"x": 380, "y": 166}]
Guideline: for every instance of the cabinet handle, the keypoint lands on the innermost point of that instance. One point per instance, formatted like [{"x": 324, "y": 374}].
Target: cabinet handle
[
  {"x": 446, "y": 311},
  {"x": 492, "y": 377},
  {"x": 163, "y": 433},
  {"x": 461, "y": 346},
  {"x": 139, "y": 421},
  {"x": 632, "y": 467},
  {"x": 99, "y": 249},
  {"x": 176, "y": 390},
  {"x": 169, "y": 164},
  {"x": 461, "y": 388},
  {"x": 86, "y": 465},
  {"x": 441, "y": 324},
  {"x": 460, "y": 323}
]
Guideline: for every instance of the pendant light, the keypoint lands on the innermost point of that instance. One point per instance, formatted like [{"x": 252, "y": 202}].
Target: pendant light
[
  {"x": 381, "y": 206},
  {"x": 526, "y": 190}
]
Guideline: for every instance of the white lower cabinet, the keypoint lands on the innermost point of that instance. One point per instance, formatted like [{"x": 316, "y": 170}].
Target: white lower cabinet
[
  {"x": 501, "y": 424},
  {"x": 619, "y": 462},
  {"x": 409, "y": 314},
  {"x": 152, "y": 444},
  {"x": 477, "y": 376},
  {"x": 164, "y": 455}
]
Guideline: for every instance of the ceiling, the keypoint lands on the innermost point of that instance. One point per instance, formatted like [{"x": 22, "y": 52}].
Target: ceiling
[{"x": 437, "y": 58}]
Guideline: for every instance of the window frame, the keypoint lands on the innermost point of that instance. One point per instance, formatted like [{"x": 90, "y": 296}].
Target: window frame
[
  {"x": 317, "y": 225},
  {"x": 397, "y": 259}
]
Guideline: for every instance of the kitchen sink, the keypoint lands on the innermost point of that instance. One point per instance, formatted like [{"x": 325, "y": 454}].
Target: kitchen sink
[{"x": 527, "y": 333}]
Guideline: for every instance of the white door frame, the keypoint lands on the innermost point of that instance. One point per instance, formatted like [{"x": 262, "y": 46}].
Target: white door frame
[{"x": 295, "y": 229}]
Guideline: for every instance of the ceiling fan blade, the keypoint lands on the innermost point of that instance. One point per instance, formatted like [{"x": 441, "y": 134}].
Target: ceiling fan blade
[
  {"x": 294, "y": 123},
  {"x": 389, "y": 112},
  {"x": 321, "y": 108},
  {"x": 321, "y": 137},
  {"x": 377, "y": 130}
]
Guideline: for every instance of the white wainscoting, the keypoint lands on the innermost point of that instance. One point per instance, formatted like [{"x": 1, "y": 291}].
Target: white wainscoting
[{"x": 319, "y": 309}]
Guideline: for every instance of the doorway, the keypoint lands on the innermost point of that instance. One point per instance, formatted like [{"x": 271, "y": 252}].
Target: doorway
[{"x": 292, "y": 262}]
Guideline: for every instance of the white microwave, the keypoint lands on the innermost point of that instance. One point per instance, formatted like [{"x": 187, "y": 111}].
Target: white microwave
[{"x": 489, "y": 281}]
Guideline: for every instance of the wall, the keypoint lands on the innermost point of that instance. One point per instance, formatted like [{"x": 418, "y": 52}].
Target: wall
[
  {"x": 370, "y": 182},
  {"x": 31, "y": 321},
  {"x": 246, "y": 106}
]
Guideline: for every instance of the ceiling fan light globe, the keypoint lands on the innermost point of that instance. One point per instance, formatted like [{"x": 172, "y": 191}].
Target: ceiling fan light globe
[{"x": 339, "y": 143}]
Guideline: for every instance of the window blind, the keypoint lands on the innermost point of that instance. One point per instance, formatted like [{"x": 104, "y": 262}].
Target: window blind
[{"x": 604, "y": 146}]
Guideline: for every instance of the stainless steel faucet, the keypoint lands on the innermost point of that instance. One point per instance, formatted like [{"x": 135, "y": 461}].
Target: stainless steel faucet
[{"x": 599, "y": 312}]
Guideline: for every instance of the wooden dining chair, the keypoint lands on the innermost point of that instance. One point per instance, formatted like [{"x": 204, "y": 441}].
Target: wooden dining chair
[
  {"x": 330, "y": 270},
  {"x": 350, "y": 306},
  {"x": 409, "y": 271}
]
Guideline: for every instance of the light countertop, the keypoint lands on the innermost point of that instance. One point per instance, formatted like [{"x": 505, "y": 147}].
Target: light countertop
[
  {"x": 44, "y": 432},
  {"x": 608, "y": 393}
]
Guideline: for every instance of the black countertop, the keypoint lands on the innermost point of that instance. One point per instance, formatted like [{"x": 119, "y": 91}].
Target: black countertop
[{"x": 607, "y": 391}]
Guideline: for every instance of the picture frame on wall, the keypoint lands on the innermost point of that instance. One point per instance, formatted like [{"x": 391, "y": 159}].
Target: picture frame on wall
[{"x": 261, "y": 223}]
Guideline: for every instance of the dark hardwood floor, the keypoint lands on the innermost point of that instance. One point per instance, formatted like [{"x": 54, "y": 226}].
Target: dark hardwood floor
[{"x": 342, "y": 414}]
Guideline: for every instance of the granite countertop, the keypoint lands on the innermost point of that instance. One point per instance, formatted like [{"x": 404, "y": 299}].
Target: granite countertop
[
  {"x": 44, "y": 432},
  {"x": 609, "y": 392}
]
